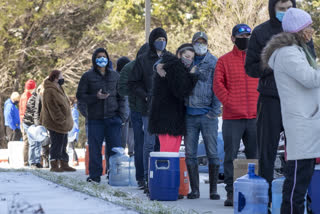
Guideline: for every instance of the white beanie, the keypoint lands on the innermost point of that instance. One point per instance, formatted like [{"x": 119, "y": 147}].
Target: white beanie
[{"x": 295, "y": 20}]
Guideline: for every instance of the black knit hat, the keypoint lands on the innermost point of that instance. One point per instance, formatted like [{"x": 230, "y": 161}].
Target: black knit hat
[
  {"x": 122, "y": 61},
  {"x": 184, "y": 47}
]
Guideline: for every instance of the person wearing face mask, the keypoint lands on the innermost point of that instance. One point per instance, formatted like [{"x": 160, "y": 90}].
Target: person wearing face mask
[
  {"x": 167, "y": 114},
  {"x": 269, "y": 119},
  {"x": 11, "y": 118},
  {"x": 140, "y": 86},
  {"x": 203, "y": 109},
  {"x": 57, "y": 118},
  {"x": 106, "y": 109},
  {"x": 297, "y": 76},
  {"x": 238, "y": 95}
]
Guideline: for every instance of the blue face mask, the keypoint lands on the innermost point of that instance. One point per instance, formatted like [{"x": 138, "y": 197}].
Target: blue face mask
[
  {"x": 160, "y": 45},
  {"x": 102, "y": 62},
  {"x": 280, "y": 15}
]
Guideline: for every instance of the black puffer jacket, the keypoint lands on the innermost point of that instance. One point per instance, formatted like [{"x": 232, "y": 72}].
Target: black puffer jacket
[
  {"x": 259, "y": 38},
  {"x": 167, "y": 114},
  {"x": 28, "y": 118},
  {"x": 91, "y": 82},
  {"x": 140, "y": 78}
]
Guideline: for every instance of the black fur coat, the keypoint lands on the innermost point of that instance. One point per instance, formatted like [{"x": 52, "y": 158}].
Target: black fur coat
[{"x": 167, "y": 113}]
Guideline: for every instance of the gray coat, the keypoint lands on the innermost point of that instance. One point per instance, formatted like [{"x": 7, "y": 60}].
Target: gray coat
[{"x": 299, "y": 90}]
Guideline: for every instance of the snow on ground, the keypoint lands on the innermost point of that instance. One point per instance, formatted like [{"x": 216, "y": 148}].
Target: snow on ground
[
  {"x": 129, "y": 197},
  {"x": 33, "y": 193}
]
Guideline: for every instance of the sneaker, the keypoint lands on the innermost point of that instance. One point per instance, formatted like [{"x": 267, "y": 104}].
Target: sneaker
[
  {"x": 36, "y": 166},
  {"x": 141, "y": 185},
  {"x": 94, "y": 180}
]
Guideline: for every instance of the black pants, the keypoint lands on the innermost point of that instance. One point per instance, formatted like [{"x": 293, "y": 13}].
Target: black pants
[
  {"x": 269, "y": 127},
  {"x": 298, "y": 175},
  {"x": 58, "y": 149},
  {"x": 13, "y": 135},
  {"x": 233, "y": 131}
]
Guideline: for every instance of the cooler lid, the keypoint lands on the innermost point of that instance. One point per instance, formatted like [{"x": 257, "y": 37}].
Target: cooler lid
[{"x": 165, "y": 154}]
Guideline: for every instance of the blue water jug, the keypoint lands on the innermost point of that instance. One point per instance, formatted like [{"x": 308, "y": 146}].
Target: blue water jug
[
  {"x": 164, "y": 176},
  {"x": 119, "y": 168},
  {"x": 251, "y": 193},
  {"x": 132, "y": 172},
  {"x": 277, "y": 186}
]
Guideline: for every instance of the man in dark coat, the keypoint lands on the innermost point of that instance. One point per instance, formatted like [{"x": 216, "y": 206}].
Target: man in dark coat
[
  {"x": 140, "y": 85},
  {"x": 269, "y": 119},
  {"x": 107, "y": 110}
]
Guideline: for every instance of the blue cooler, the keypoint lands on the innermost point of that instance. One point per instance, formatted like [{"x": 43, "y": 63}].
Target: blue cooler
[
  {"x": 314, "y": 191},
  {"x": 164, "y": 176}
]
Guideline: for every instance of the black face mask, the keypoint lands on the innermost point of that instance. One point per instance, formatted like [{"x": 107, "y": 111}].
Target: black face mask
[
  {"x": 16, "y": 102},
  {"x": 242, "y": 43},
  {"x": 61, "y": 81}
]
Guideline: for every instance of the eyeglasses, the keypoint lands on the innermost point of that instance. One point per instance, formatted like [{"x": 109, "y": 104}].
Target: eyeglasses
[{"x": 244, "y": 29}]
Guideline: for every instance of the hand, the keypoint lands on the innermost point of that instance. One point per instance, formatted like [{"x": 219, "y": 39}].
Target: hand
[
  {"x": 193, "y": 70},
  {"x": 161, "y": 71},
  {"x": 102, "y": 96}
]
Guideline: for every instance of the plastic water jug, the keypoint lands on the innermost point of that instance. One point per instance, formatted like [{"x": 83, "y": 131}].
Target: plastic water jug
[
  {"x": 251, "y": 193},
  {"x": 119, "y": 168},
  {"x": 277, "y": 186},
  {"x": 132, "y": 172},
  {"x": 37, "y": 133}
]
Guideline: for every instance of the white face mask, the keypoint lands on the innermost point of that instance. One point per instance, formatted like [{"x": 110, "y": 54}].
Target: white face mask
[{"x": 200, "y": 49}]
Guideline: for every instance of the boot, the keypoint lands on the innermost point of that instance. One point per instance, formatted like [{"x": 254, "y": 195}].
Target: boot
[
  {"x": 229, "y": 201},
  {"x": 55, "y": 166},
  {"x": 194, "y": 181},
  {"x": 213, "y": 180},
  {"x": 65, "y": 166}
]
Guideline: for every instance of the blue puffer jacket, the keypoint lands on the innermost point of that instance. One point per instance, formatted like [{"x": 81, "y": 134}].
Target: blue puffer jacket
[
  {"x": 202, "y": 95},
  {"x": 11, "y": 115}
]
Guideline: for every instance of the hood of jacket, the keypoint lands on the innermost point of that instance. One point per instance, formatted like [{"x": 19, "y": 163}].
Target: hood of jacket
[
  {"x": 272, "y": 12},
  {"x": 155, "y": 34},
  {"x": 144, "y": 49},
  {"x": 278, "y": 41},
  {"x": 50, "y": 85},
  {"x": 94, "y": 56}
]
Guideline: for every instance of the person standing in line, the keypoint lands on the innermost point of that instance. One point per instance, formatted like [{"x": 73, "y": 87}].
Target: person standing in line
[
  {"x": 28, "y": 120},
  {"x": 297, "y": 76},
  {"x": 30, "y": 85},
  {"x": 73, "y": 135},
  {"x": 127, "y": 137},
  {"x": 239, "y": 96},
  {"x": 140, "y": 86},
  {"x": 11, "y": 118},
  {"x": 269, "y": 119},
  {"x": 107, "y": 110},
  {"x": 136, "y": 107},
  {"x": 203, "y": 109},
  {"x": 170, "y": 88},
  {"x": 56, "y": 117}
]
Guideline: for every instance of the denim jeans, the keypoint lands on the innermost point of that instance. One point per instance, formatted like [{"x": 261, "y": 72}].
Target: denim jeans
[
  {"x": 209, "y": 130},
  {"x": 34, "y": 148},
  {"x": 148, "y": 145},
  {"x": 108, "y": 130},
  {"x": 137, "y": 125}
]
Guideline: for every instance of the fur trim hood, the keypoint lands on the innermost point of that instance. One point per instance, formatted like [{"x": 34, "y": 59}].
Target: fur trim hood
[{"x": 278, "y": 41}]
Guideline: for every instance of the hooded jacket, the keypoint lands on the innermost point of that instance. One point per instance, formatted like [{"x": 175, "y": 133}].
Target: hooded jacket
[
  {"x": 56, "y": 113},
  {"x": 259, "y": 38},
  {"x": 11, "y": 115},
  {"x": 167, "y": 114},
  {"x": 91, "y": 82},
  {"x": 30, "y": 110},
  {"x": 140, "y": 78},
  {"x": 299, "y": 90}
]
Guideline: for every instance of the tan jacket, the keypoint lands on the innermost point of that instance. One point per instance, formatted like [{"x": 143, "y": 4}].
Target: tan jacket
[{"x": 56, "y": 111}]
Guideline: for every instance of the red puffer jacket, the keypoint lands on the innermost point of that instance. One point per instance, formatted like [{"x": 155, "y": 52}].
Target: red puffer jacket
[{"x": 234, "y": 88}]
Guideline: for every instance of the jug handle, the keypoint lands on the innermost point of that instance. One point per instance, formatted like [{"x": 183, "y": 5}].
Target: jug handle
[
  {"x": 241, "y": 202},
  {"x": 162, "y": 161}
]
